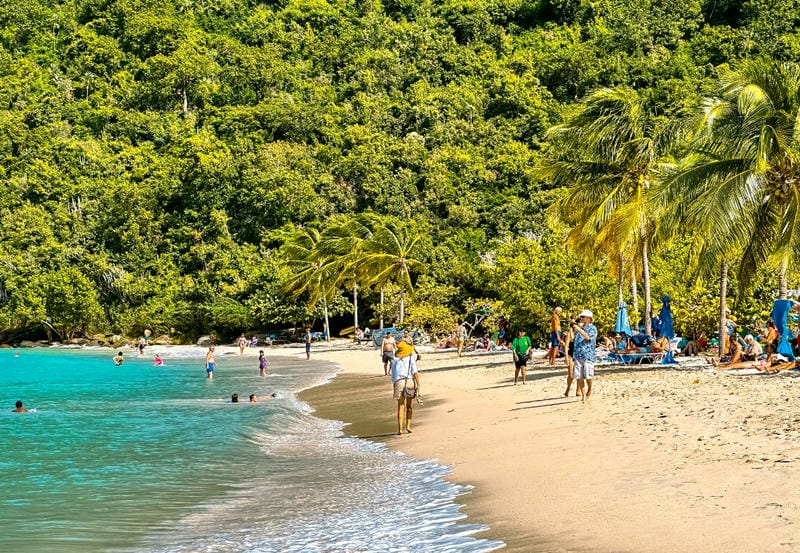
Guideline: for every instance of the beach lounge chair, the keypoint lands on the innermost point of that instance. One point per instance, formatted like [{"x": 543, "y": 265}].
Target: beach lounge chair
[{"x": 641, "y": 358}]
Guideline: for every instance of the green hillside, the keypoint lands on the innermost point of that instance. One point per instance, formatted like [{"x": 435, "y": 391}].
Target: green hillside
[{"x": 162, "y": 162}]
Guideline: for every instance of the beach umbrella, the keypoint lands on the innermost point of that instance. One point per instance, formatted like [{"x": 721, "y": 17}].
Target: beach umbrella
[
  {"x": 666, "y": 319},
  {"x": 622, "y": 326},
  {"x": 667, "y": 329},
  {"x": 780, "y": 314}
]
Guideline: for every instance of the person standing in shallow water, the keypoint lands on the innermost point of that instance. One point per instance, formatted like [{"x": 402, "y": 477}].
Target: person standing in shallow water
[
  {"x": 262, "y": 363},
  {"x": 210, "y": 363},
  {"x": 405, "y": 382},
  {"x": 388, "y": 348},
  {"x": 585, "y": 342},
  {"x": 308, "y": 342}
]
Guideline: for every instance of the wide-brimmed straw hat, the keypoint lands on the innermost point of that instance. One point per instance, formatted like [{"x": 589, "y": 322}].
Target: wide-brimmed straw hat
[{"x": 586, "y": 313}]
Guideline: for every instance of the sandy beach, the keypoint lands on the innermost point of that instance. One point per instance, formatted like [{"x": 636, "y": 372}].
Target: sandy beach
[{"x": 660, "y": 459}]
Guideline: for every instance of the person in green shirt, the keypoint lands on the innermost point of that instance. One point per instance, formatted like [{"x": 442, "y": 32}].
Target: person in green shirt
[{"x": 521, "y": 348}]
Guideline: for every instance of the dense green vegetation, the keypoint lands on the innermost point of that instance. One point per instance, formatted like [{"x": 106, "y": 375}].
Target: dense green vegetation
[{"x": 164, "y": 163}]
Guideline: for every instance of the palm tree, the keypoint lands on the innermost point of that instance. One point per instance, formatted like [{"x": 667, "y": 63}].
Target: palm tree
[
  {"x": 313, "y": 273},
  {"x": 369, "y": 250},
  {"x": 743, "y": 184},
  {"x": 340, "y": 244},
  {"x": 611, "y": 150},
  {"x": 389, "y": 256}
]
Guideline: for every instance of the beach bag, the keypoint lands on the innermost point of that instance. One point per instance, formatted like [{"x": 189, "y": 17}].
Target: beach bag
[{"x": 410, "y": 391}]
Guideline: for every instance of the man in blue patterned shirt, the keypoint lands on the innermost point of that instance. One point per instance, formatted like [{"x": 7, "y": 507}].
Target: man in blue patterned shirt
[{"x": 585, "y": 343}]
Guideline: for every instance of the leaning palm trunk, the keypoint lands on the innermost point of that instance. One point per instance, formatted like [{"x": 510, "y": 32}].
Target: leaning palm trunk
[
  {"x": 402, "y": 305},
  {"x": 648, "y": 323},
  {"x": 381, "y": 308},
  {"x": 327, "y": 326},
  {"x": 634, "y": 297},
  {"x": 355, "y": 306},
  {"x": 620, "y": 279},
  {"x": 723, "y": 298},
  {"x": 783, "y": 284}
]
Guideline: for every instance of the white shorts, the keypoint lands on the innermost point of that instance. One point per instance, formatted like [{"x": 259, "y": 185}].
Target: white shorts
[{"x": 583, "y": 369}]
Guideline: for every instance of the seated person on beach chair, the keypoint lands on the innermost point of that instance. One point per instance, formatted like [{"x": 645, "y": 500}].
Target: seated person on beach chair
[
  {"x": 642, "y": 342},
  {"x": 662, "y": 344},
  {"x": 621, "y": 345},
  {"x": 606, "y": 342}
]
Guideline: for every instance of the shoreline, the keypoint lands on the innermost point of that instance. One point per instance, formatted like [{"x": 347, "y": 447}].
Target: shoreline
[{"x": 661, "y": 459}]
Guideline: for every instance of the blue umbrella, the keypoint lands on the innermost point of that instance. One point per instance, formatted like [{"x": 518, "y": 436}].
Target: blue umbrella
[
  {"x": 780, "y": 314},
  {"x": 666, "y": 319},
  {"x": 622, "y": 326},
  {"x": 666, "y": 329}
]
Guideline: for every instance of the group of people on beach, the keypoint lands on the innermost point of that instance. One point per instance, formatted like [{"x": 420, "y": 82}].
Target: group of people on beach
[{"x": 578, "y": 343}]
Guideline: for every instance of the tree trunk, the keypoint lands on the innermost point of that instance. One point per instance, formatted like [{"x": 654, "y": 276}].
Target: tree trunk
[
  {"x": 355, "y": 306},
  {"x": 783, "y": 283},
  {"x": 723, "y": 298},
  {"x": 648, "y": 306},
  {"x": 634, "y": 312},
  {"x": 620, "y": 279},
  {"x": 402, "y": 305},
  {"x": 381, "y": 308},
  {"x": 326, "y": 329}
]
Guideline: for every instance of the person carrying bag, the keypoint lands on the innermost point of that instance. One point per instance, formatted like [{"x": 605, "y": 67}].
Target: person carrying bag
[{"x": 405, "y": 381}]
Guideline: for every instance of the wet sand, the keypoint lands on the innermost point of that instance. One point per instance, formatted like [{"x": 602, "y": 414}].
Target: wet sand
[{"x": 658, "y": 460}]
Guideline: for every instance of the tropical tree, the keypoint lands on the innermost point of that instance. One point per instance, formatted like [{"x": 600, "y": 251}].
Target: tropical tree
[
  {"x": 313, "y": 275},
  {"x": 389, "y": 255},
  {"x": 372, "y": 251},
  {"x": 340, "y": 245},
  {"x": 607, "y": 155},
  {"x": 742, "y": 189}
]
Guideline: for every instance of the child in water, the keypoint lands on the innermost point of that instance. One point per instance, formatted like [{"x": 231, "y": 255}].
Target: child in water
[{"x": 157, "y": 361}]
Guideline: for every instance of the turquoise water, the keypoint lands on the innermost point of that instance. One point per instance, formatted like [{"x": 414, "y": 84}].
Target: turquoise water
[{"x": 144, "y": 458}]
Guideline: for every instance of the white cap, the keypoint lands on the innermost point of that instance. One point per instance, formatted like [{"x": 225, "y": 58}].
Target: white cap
[{"x": 586, "y": 313}]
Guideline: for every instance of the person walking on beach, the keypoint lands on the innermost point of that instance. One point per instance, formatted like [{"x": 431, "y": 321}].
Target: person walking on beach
[
  {"x": 585, "y": 342},
  {"x": 555, "y": 335},
  {"x": 242, "y": 343},
  {"x": 210, "y": 363},
  {"x": 19, "y": 408},
  {"x": 461, "y": 337},
  {"x": 262, "y": 363},
  {"x": 521, "y": 350},
  {"x": 308, "y": 342},
  {"x": 388, "y": 347},
  {"x": 405, "y": 382}
]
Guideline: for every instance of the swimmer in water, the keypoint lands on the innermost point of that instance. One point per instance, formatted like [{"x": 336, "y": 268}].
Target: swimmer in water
[
  {"x": 118, "y": 359},
  {"x": 19, "y": 408}
]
